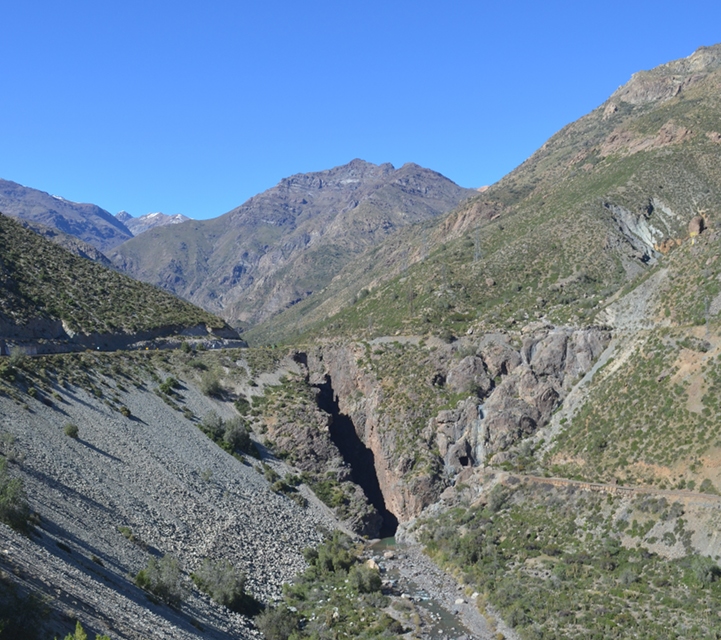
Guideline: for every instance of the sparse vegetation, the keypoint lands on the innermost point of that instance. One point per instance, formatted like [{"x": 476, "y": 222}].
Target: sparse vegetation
[
  {"x": 162, "y": 578},
  {"x": 71, "y": 430},
  {"x": 541, "y": 555},
  {"x": 226, "y": 585},
  {"x": 14, "y": 508},
  {"x": 337, "y": 594}
]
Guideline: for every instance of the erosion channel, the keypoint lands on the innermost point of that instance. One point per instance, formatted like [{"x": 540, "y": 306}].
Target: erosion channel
[{"x": 357, "y": 456}]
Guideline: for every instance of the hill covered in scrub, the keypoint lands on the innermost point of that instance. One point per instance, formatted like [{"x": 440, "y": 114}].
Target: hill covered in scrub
[
  {"x": 48, "y": 293},
  {"x": 288, "y": 242},
  {"x": 592, "y": 210}
]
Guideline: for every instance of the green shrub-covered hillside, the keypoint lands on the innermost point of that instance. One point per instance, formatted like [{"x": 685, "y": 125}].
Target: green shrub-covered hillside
[{"x": 41, "y": 280}]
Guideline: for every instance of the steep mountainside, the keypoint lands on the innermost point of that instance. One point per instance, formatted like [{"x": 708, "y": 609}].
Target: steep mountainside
[
  {"x": 288, "y": 242},
  {"x": 590, "y": 211},
  {"x": 51, "y": 296},
  {"x": 136, "y": 226},
  {"x": 528, "y": 387},
  {"x": 535, "y": 376},
  {"x": 88, "y": 222}
]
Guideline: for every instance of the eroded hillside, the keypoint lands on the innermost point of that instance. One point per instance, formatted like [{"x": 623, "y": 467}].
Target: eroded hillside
[{"x": 138, "y": 479}]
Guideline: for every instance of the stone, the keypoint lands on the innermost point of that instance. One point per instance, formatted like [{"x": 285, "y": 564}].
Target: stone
[
  {"x": 696, "y": 226},
  {"x": 498, "y": 356},
  {"x": 469, "y": 376}
]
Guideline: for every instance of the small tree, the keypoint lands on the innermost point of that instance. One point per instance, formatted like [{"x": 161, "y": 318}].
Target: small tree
[
  {"x": 236, "y": 435},
  {"x": 226, "y": 585},
  {"x": 14, "y": 508},
  {"x": 162, "y": 579}
]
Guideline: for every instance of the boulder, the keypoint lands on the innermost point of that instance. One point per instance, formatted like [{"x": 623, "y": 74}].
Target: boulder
[
  {"x": 696, "y": 226},
  {"x": 498, "y": 356},
  {"x": 469, "y": 376}
]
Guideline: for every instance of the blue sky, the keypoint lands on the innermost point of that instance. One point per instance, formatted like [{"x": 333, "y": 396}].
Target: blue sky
[{"x": 190, "y": 107}]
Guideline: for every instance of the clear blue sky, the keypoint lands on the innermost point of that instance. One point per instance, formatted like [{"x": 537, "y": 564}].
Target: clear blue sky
[{"x": 193, "y": 107}]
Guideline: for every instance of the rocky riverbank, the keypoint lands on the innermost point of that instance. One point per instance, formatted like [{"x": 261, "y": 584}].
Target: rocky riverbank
[{"x": 453, "y": 613}]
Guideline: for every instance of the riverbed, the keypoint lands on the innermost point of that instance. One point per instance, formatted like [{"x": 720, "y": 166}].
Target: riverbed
[{"x": 450, "y": 613}]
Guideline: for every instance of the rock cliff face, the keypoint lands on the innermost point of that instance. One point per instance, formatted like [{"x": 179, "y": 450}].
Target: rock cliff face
[
  {"x": 531, "y": 382},
  {"x": 360, "y": 397},
  {"x": 503, "y": 388},
  {"x": 303, "y": 434}
]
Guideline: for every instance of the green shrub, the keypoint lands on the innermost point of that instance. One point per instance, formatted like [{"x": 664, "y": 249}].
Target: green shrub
[
  {"x": 212, "y": 426},
  {"x": 71, "y": 430},
  {"x": 162, "y": 579},
  {"x": 707, "y": 487},
  {"x": 271, "y": 475},
  {"x": 14, "y": 508},
  {"x": 242, "y": 406},
  {"x": 277, "y": 623},
  {"x": 236, "y": 435},
  {"x": 210, "y": 384},
  {"x": 168, "y": 386},
  {"x": 705, "y": 570},
  {"x": 335, "y": 554},
  {"x": 365, "y": 579},
  {"x": 81, "y": 635},
  {"x": 226, "y": 585}
]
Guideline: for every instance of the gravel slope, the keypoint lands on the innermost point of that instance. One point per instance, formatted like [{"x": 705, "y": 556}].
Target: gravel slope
[{"x": 157, "y": 474}]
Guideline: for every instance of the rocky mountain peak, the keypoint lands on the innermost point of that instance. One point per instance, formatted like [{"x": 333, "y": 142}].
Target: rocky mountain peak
[
  {"x": 149, "y": 221},
  {"x": 668, "y": 80},
  {"x": 286, "y": 243},
  {"x": 345, "y": 177}
]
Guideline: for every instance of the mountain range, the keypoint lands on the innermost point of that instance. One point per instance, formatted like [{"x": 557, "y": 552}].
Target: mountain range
[
  {"x": 88, "y": 222},
  {"x": 524, "y": 382},
  {"x": 288, "y": 242}
]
